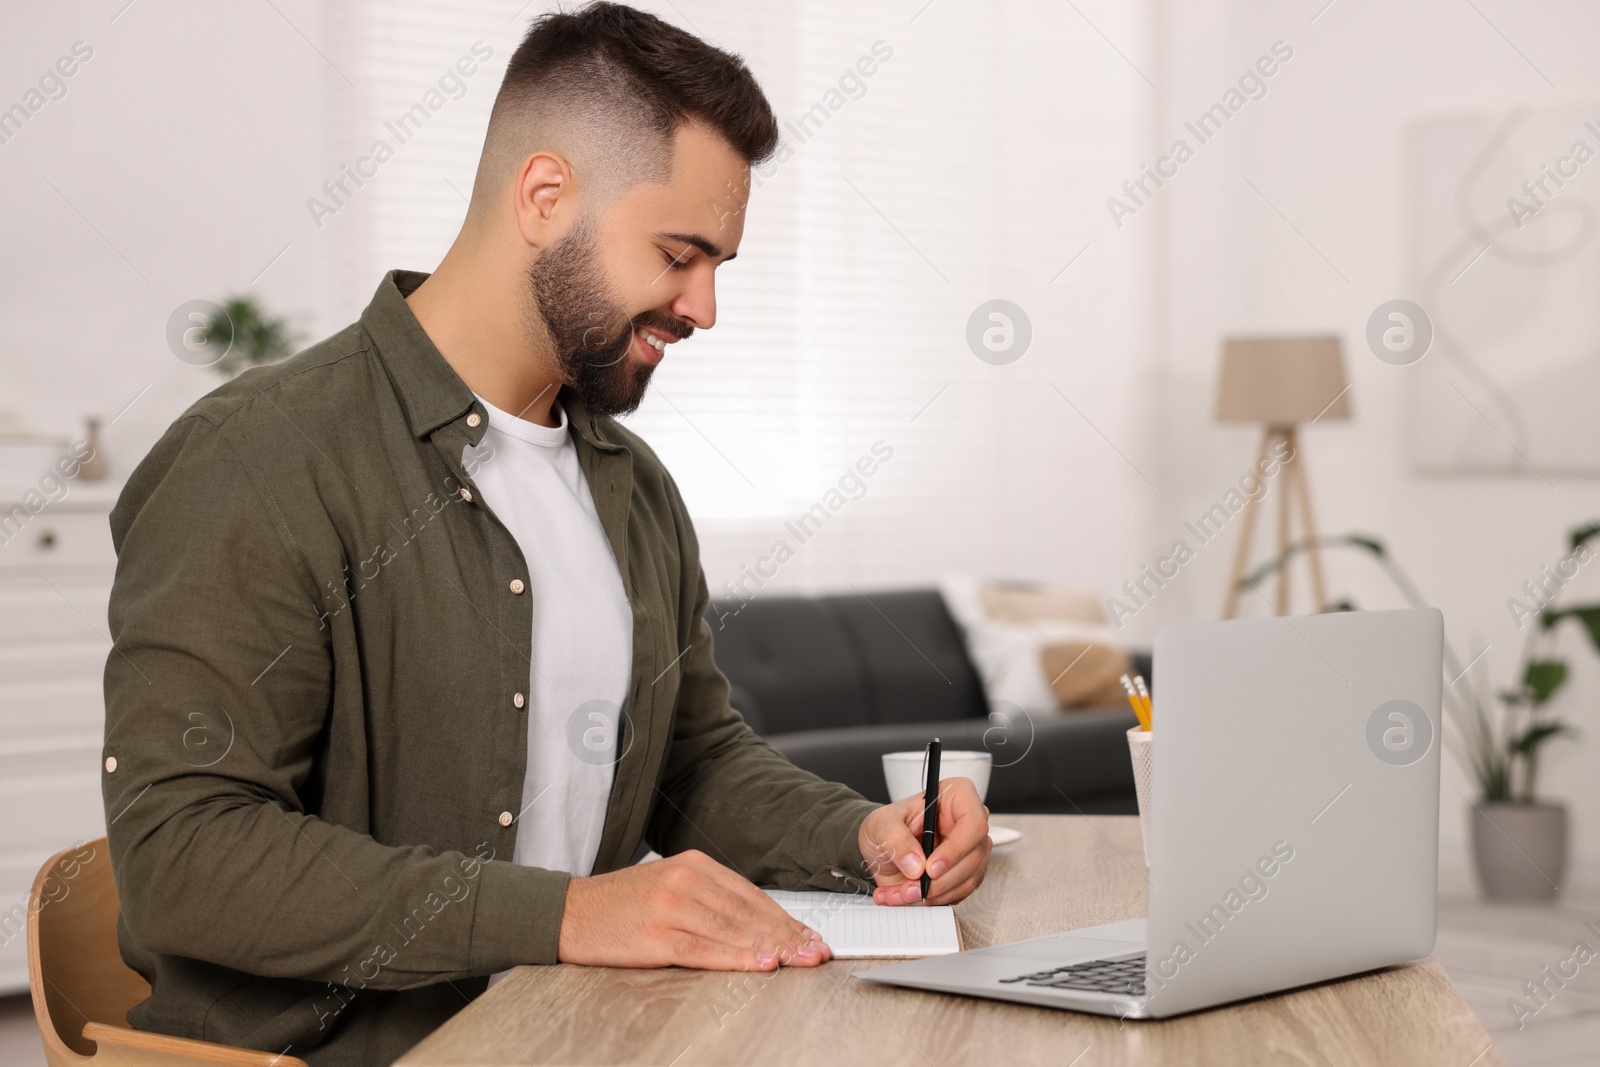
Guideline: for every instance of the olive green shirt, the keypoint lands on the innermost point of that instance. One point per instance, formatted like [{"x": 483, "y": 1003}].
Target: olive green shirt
[{"x": 315, "y": 733}]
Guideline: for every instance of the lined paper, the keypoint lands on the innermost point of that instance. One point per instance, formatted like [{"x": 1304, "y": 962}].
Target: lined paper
[{"x": 854, "y": 927}]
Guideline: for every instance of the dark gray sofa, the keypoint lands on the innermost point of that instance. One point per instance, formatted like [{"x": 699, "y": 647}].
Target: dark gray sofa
[{"x": 833, "y": 682}]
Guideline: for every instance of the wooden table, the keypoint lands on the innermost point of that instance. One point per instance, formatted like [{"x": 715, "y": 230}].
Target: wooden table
[{"x": 1065, "y": 872}]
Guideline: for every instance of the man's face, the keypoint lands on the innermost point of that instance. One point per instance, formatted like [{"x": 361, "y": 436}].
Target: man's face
[{"x": 611, "y": 291}]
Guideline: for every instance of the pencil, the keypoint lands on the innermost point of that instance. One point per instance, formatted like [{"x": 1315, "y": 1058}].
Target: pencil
[
  {"x": 1144, "y": 696},
  {"x": 1138, "y": 705}
]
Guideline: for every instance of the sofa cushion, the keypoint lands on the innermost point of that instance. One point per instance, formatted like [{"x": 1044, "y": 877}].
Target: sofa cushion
[
  {"x": 789, "y": 663},
  {"x": 910, "y": 655}
]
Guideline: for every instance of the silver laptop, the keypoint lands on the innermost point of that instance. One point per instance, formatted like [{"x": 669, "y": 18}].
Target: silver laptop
[{"x": 1294, "y": 824}]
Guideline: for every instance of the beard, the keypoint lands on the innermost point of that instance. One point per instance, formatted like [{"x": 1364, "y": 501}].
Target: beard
[{"x": 589, "y": 331}]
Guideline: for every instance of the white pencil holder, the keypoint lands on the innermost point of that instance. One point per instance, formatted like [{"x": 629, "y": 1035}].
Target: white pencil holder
[{"x": 1139, "y": 750}]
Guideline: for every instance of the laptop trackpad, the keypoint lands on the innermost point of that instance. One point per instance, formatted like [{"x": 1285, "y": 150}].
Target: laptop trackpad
[{"x": 1072, "y": 947}]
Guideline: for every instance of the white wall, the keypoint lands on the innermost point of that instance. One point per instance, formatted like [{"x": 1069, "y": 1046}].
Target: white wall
[
  {"x": 1325, "y": 147},
  {"x": 180, "y": 156}
]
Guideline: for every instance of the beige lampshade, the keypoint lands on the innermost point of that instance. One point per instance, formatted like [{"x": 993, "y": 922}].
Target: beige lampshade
[{"x": 1282, "y": 380}]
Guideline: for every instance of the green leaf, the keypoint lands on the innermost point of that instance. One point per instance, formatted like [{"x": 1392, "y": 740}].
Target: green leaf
[
  {"x": 1543, "y": 678},
  {"x": 1371, "y": 544},
  {"x": 1536, "y": 735},
  {"x": 249, "y": 335},
  {"x": 1588, "y": 614},
  {"x": 1583, "y": 533}
]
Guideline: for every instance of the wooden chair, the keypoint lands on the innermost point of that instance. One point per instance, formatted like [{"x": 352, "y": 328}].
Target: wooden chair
[{"x": 81, "y": 988}]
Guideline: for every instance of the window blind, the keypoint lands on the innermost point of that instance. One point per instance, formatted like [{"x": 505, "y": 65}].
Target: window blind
[{"x": 972, "y": 163}]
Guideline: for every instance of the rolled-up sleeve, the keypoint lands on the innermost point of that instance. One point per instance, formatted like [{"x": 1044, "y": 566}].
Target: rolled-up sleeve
[{"x": 218, "y": 691}]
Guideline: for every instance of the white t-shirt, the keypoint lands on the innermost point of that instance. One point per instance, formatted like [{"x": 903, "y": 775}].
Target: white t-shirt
[{"x": 582, "y": 655}]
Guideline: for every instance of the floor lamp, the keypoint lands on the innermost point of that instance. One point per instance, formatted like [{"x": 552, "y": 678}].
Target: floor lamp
[{"x": 1280, "y": 382}]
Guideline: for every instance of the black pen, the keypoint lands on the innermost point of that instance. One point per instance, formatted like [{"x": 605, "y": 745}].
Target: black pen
[{"x": 930, "y": 813}]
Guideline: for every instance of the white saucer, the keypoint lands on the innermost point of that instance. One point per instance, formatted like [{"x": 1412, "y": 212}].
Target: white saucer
[{"x": 1003, "y": 835}]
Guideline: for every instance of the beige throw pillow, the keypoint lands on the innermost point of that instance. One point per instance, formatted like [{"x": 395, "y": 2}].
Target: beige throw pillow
[
  {"x": 1085, "y": 675},
  {"x": 1038, "y": 647},
  {"x": 1018, "y": 603}
]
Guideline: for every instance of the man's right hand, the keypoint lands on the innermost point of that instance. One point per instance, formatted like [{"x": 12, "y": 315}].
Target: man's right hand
[{"x": 686, "y": 910}]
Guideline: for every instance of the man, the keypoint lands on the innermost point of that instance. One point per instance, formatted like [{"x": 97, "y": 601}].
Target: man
[{"x": 379, "y": 609}]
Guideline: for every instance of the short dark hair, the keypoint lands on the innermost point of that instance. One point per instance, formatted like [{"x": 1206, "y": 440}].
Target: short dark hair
[{"x": 619, "y": 68}]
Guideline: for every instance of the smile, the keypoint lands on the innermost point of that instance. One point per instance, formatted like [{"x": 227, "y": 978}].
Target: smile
[{"x": 653, "y": 346}]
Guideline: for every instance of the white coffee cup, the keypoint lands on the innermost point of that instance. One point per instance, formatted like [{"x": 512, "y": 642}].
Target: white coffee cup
[{"x": 906, "y": 772}]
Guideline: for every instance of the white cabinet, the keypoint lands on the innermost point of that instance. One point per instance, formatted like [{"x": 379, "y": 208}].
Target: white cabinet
[{"x": 56, "y": 567}]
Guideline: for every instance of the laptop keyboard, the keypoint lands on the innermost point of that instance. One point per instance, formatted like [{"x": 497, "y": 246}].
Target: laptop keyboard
[{"x": 1123, "y": 976}]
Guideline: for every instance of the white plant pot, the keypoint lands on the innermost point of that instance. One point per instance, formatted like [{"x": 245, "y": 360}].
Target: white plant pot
[{"x": 1520, "y": 850}]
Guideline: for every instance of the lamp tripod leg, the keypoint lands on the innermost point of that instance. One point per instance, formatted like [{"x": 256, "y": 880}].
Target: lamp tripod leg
[
  {"x": 1241, "y": 554},
  {"x": 1289, "y": 472},
  {"x": 1313, "y": 553}
]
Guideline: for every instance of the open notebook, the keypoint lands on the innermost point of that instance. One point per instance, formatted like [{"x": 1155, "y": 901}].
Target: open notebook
[{"x": 854, "y": 927}]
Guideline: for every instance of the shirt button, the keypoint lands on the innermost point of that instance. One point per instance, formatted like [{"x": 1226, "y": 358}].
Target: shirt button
[
  {"x": 474, "y": 419},
  {"x": 517, "y": 586},
  {"x": 518, "y": 700},
  {"x": 111, "y": 761},
  {"x": 466, "y": 494},
  {"x": 505, "y": 818}
]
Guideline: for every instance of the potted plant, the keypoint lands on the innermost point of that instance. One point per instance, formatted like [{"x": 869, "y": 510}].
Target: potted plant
[
  {"x": 248, "y": 336},
  {"x": 1519, "y": 842}
]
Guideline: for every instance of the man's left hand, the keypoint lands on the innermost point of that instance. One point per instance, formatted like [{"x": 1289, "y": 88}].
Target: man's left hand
[{"x": 891, "y": 844}]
